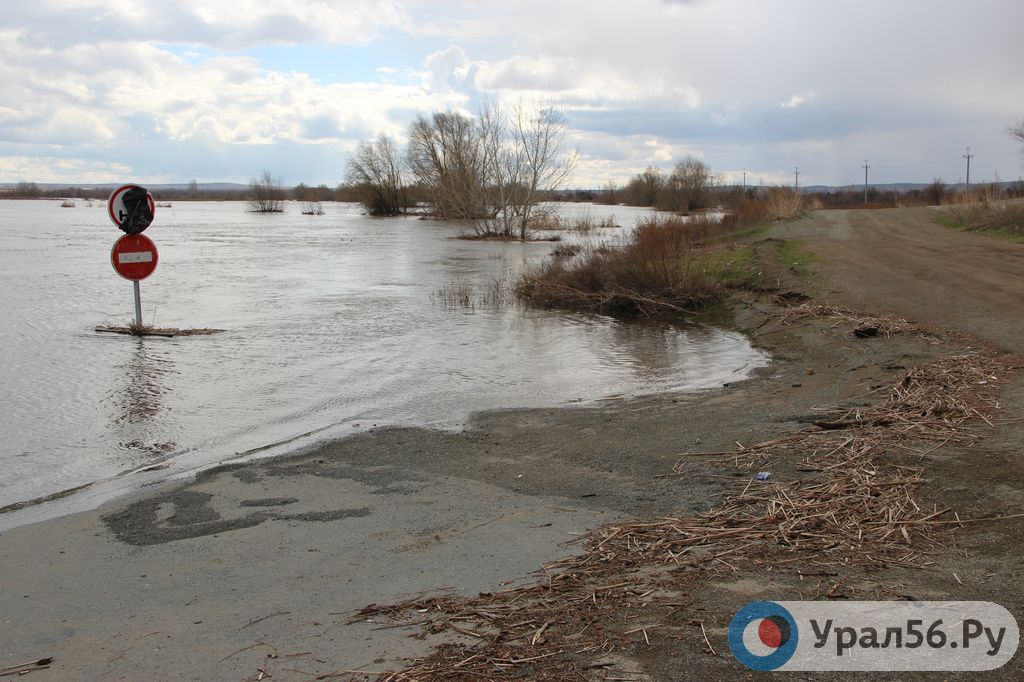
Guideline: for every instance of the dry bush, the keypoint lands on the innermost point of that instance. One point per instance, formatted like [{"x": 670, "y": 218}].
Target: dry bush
[
  {"x": 983, "y": 209},
  {"x": 1007, "y": 216},
  {"x": 783, "y": 203},
  {"x": 748, "y": 214},
  {"x": 656, "y": 269},
  {"x": 545, "y": 219}
]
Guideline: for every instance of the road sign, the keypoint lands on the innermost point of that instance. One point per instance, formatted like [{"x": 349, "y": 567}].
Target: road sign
[
  {"x": 134, "y": 256},
  {"x": 131, "y": 208}
]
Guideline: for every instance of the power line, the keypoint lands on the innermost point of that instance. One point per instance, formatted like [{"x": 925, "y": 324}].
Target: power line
[
  {"x": 968, "y": 156},
  {"x": 866, "y": 166}
]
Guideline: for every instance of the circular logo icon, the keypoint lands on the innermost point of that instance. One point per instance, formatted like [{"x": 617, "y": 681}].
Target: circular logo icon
[{"x": 762, "y": 635}]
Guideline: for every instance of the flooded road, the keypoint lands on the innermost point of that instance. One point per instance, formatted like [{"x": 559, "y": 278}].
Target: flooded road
[{"x": 333, "y": 324}]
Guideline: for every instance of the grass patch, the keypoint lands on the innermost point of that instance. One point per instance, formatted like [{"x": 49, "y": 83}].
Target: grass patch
[
  {"x": 731, "y": 267},
  {"x": 985, "y": 215},
  {"x": 794, "y": 257}
]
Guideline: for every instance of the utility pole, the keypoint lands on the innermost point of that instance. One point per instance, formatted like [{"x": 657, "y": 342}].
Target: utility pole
[
  {"x": 866, "y": 166},
  {"x": 968, "y": 156},
  {"x": 796, "y": 174},
  {"x": 744, "y": 178}
]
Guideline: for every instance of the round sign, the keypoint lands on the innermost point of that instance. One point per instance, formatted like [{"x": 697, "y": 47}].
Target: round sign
[
  {"x": 131, "y": 208},
  {"x": 134, "y": 256}
]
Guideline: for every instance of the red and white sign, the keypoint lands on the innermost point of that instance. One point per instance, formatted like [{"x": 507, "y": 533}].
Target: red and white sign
[
  {"x": 115, "y": 206},
  {"x": 134, "y": 256}
]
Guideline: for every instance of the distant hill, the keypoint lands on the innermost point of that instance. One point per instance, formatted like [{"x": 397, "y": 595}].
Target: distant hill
[
  {"x": 893, "y": 186},
  {"x": 153, "y": 187}
]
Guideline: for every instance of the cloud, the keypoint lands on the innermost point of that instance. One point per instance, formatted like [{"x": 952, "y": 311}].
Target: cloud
[
  {"x": 746, "y": 83},
  {"x": 60, "y": 169},
  {"x": 796, "y": 100},
  {"x": 448, "y": 69},
  {"x": 222, "y": 24}
]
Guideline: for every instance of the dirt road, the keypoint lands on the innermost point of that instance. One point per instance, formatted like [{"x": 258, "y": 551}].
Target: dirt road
[{"x": 901, "y": 261}]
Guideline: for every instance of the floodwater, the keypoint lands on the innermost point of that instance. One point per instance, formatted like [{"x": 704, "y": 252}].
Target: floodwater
[{"x": 333, "y": 324}]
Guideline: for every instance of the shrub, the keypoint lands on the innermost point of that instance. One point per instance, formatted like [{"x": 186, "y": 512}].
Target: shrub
[{"x": 659, "y": 268}]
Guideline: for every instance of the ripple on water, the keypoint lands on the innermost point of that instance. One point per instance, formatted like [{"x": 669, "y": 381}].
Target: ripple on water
[{"x": 328, "y": 322}]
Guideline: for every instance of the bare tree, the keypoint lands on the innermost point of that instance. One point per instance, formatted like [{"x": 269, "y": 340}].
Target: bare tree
[
  {"x": 934, "y": 193},
  {"x": 526, "y": 155},
  {"x": 267, "y": 194},
  {"x": 377, "y": 172},
  {"x": 1017, "y": 131},
  {"x": 643, "y": 188},
  {"x": 543, "y": 155},
  {"x": 687, "y": 187},
  {"x": 446, "y": 157},
  {"x": 609, "y": 194}
]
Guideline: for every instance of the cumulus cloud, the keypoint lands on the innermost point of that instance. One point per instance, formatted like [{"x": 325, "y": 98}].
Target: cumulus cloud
[
  {"x": 227, "y": 24},
  {"x": 107, "y": 96},
  {"x": 747, "y": 83}
]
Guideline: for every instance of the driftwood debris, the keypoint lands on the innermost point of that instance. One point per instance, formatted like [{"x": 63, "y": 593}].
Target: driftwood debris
[
  {"x": 166, "y": 332},
  {"x": 857, "y": 508},
  {"x": 26, "y": 668}
]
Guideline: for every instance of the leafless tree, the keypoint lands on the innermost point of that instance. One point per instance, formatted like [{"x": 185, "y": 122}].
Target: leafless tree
[
  {"x": 526, "y": 156},
  {"x": 609, "y": 194},
  {"x": 267, "y": 194},
  {"x": 543, "y": 153},
  {"x": 643, "y": 188},
  {"x": 1017, "y": 131},
  {"x": 934, "y": 192},
  {"x": 377, "y": 172},
  {"x": 687, "y": 187},
  {"x": 446, "y": 157}
]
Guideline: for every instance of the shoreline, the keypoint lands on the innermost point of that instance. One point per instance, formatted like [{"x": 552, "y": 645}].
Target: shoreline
[
  {"x": 117, "y": 488},
  {"x": 262, "y": 565}
]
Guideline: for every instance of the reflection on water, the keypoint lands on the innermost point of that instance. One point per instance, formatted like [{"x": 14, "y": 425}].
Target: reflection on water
[
  {"x": 140, "y": 385},
  {"x": 330, "y": 322}
]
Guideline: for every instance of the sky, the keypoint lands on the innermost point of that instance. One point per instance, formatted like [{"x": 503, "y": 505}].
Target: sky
[{"x": 160, "y": 91}]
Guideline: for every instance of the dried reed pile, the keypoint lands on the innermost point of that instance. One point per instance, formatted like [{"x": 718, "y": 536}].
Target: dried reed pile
[
  {"x": 851, "y": 503},
  {"x": 886, "y": 325}
]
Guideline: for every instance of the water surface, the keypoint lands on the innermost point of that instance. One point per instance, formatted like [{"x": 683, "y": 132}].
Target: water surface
[{"x": 332, "y": 325}]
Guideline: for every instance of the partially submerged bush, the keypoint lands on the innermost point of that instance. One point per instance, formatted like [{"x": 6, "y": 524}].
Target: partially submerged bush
[
  {"x": 662, "y": 267},
  {"x": 582, "y": 222}
]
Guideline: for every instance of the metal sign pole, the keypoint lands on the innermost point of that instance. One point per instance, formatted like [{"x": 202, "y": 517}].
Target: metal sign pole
[{"x": 138, "y": 304}]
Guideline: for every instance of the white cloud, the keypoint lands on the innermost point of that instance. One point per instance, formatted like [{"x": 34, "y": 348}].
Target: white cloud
[
  {"x": 226, "y": 24},
  {"x": 60, "y": 169},
  {"x": 796, "y": 100},
  {"x": 761, "y": 85}
]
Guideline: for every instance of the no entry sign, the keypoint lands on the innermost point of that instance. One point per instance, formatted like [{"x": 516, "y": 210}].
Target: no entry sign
[
  {"x": 134, "y": 256},
  {"x": 131, "y": 208}
]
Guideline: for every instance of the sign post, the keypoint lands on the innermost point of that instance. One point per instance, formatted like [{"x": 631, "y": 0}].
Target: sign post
[
  {"x": 138, "y": 303},
  {"x": 134, "y": 256}
]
